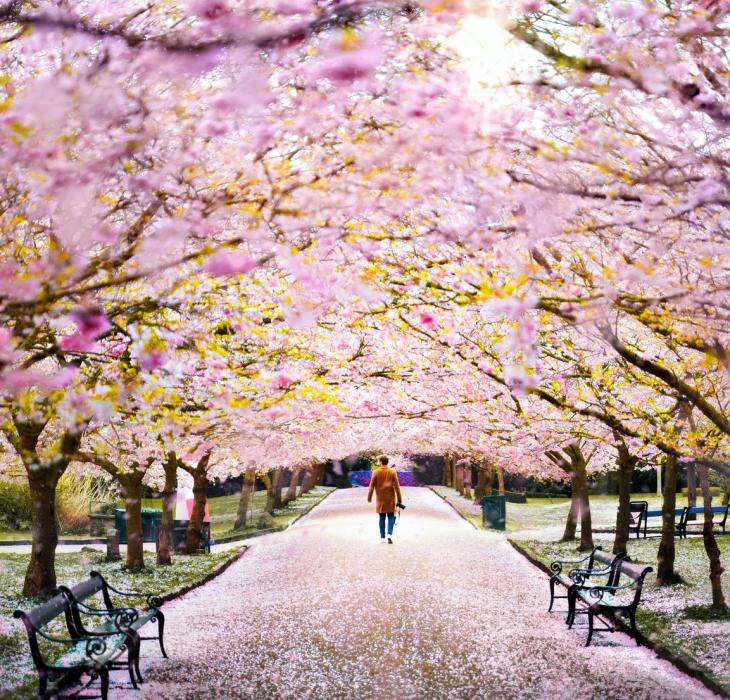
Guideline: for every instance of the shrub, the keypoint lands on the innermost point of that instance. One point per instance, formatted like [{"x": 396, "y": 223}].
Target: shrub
[
  {"x": 14, "y": 505},
  {"x": 73, "y": 500}
]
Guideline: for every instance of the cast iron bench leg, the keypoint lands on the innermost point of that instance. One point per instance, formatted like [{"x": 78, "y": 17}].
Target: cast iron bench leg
[
  {"x": 590, "y": 626},
  {"x": 552, "y": 593},
  {"x": 161, "y": 631},
  {"x": 104, "y": 677}
]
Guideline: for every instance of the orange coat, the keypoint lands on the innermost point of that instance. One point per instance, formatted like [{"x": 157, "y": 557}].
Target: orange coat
[{"x": 384, "y": 482}]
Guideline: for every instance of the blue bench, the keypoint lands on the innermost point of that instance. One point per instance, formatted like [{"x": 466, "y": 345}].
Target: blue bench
[
  {"x": 720, "y": 522},
  {"x": 639, "y": 515}
]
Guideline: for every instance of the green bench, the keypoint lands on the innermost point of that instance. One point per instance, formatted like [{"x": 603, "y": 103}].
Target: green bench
[
  {"x": 604, "y": 602},
  {"x": 61, "y": 660},
  {"x": 100, "y": 635},
  {"x": 596, "y": 564}
]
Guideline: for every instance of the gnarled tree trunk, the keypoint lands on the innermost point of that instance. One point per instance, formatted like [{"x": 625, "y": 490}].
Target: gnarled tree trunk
[
  {"x": 572, "y": 461},
  {"x": 43, "y": 476},
  {"x": 691, "y": 490},
  {"x": 40, "y": 577},
  {"x": 466, "y": 477},
  {"x": 665, "y": 556},
  {"x": 291, "y": 492},
  {"x": 249, "y": 481},
  {"x": 310, "y": 476},
  {"x": 458, "y": 477},
  {"x": 320, "y": 470},
  {"x": 500, "y": 480},
  {"x": 194, "y": 533},
  {"x": 169, "y": 493},
  {"x": 273, "y": 485},
  {"x": 448, "y": 476},
  {"x": 711, "y": 548},
  {"x": 626, "y": 466},
  {"x": 484, "y": 480},
  {"x": 132, "y": 490}
]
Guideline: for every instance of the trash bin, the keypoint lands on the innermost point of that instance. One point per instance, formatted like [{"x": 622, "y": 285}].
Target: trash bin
[
  {"x": 151, "y": 518},
  {"x": 494, "y": 512}
]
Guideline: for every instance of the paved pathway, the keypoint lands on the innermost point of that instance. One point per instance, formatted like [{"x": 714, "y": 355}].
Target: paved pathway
[{"x": 324, "y": 610}]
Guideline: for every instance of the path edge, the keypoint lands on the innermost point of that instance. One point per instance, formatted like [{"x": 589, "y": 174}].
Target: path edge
[
  {"x": 453, "y": 507},
  {"x": 661, "y": 651},
  {"x": 279, "y": 528},
  {"x": 237, "y": 556},
  {"x": 180, "y": 592}
]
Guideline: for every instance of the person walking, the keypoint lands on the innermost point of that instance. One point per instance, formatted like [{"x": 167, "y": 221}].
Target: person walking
[{"x": 384, "y": 481}]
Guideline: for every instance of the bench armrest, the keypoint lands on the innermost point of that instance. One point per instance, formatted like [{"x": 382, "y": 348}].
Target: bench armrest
[
  {"x": 56, "y": 640},
  {"x": 124, "y": 618},
  {"x": 557, "y": 566},
  {"x": 598, "y": 591},
  {"x": 580, "y": 575},
  {"x": 152, "y": 600}
]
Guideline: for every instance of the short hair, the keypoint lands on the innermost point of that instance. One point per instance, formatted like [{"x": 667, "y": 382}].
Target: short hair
[{"x": 383, "y": 459}]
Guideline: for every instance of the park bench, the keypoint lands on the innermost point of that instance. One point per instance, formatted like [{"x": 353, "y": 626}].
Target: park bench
[
  {"x": 597, "y": 563},
  {"x": 61, "y": 660},
  {"x": 606, "y": 601},
  {"x": 111, "y": 617},
  {"x": 639, "y": 515},
  {"x": 719, "y": 522}
]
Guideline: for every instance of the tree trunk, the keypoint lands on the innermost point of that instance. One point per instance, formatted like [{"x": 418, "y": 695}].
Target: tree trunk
[
  {"x": 713, "y": 551},
  {"x": 194, "y": 533},
  {"x": 249, "y": 481},
  {"x": 169, "y": 496},
  {"x": 586, "y": 526},
  {"x": 483, "y": 473},
  {"x": 500, "y": 480},
  {"x": 132, "y": 489},
  {"x": 458, "y": 477},
  {"x": 291, "y": 492},
  {"x": 726, "y": 495},
  {"x": 489, "y": 490},
  {"x": 572, "y": 461},
  {"x": 321, "y": 469},
  {"x": 691, "y": 489},
  {"x": 269, "y": 482},
  {"x": 40, "y": 577},
  {"x": 626, "y": 467},
  {"x": 665, "y": 556},
  {"x": 571, "y": 523},
  {"x": 448, "y": 476},
  {"x": 466, "y": 478},
  {"x": 310, "y": 476},
  {"x": 276, "y": 479}
]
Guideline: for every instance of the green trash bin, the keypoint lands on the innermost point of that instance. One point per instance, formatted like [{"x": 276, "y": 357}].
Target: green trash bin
[
  {"x": 151, "y": 518},
  {"x": 494, "y": 512}
]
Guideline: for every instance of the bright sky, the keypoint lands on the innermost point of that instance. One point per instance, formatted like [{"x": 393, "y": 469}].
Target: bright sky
[{"x": 492, "y": 56}]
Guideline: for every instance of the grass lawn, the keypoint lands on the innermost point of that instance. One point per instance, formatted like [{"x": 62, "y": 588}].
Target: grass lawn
[
  {"x": 223, "y": 511},
  {"x": 676, "y": 617},
  {"x": 17, "y": 675}
]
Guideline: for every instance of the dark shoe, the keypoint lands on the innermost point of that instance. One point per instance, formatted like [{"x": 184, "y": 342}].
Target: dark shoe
[{"x": 390, "y": 540}]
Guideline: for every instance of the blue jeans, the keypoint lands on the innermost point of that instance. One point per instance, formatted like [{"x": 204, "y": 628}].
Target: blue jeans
[{"x": 381, "y": 522}]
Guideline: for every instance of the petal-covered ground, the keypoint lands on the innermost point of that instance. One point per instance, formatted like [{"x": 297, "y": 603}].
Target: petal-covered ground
[{"x": 324, "y": 610}]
